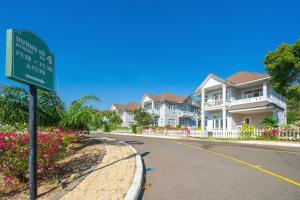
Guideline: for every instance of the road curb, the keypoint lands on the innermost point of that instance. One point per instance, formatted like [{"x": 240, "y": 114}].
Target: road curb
[{"x": 136, "y": 186}]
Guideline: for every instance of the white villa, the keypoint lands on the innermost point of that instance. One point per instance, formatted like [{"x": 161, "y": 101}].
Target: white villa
[
  {"x": 173, "y": 110},
  {"x": 125, "y": 112},
  {"x": 243, "y": 97}
]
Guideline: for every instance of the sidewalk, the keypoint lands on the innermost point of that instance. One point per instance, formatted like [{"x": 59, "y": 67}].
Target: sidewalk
[
  {"x": 111, "y": 179},
  {"x": 256, "y": 142}
]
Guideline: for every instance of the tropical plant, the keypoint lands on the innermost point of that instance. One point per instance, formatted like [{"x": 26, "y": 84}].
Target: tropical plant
[
  {"x": 142, "y": 118},
  {"x": 79, "y": 116},
  {"x": 14, "y": 107},
  {"x": 269, "y": 122}
]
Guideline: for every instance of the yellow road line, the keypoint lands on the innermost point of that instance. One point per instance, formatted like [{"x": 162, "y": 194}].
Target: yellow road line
[
  {"x": 254, "y": 149},
  {"x": 245, "y": 163}
]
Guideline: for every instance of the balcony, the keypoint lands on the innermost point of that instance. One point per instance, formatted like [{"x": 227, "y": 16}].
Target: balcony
[
  {"x": 218, "y": 104},
  {"x": 248, "y": 100},
  {"x": 153, "y": 111},
  {"x": 272, "y": 99},
  {"x": 181, "y": 113}
]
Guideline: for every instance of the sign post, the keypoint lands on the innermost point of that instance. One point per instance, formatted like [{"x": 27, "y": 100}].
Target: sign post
[
  {"x": 30, "y": 61},
  {"x": 33, "y": 142}
]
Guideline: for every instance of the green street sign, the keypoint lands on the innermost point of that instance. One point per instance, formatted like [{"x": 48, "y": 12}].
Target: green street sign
[{"x": 28, "y": 59}]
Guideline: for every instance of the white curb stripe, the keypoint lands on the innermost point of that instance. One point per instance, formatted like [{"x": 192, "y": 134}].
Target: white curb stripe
[{"x": 136, "y": 186}]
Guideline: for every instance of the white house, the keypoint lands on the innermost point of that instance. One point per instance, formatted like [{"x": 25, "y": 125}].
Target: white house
[
  {"x": 243, "y": 97},
  {"x": 125, "y": 111},
  {"x": 170, "y": 109}
]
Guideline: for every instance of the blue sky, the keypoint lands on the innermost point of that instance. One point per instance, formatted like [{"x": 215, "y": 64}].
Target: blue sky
[{"x": 119, "y": 50}]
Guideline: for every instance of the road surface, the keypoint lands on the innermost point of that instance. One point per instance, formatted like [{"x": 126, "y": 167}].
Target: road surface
[{"x": 189, "y": 169}]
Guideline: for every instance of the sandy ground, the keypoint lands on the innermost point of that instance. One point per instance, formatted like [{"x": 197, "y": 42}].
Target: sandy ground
[{"x": 111, "y": 179}]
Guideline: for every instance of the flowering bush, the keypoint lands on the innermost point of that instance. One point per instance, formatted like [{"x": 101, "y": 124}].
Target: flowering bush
[
  {"x": 14, "y": 149},
  {"x": 271, "y": 134}
]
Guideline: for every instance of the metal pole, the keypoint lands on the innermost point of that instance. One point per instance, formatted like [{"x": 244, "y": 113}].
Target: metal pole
[{"x": 33, "y": 142}]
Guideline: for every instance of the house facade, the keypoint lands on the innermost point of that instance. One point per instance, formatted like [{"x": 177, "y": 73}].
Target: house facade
[
  {"x": 170, "y": 109},
  {"x": 125, "y": 111},
  {"x": 245, "y": 97}
]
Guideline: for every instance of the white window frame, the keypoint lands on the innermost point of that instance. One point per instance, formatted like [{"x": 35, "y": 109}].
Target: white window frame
[
  {"x": 171, "y": 107},
  {"x": 251, "y": 93}
]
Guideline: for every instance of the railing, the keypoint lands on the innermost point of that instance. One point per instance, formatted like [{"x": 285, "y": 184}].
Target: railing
[
  {"x": 248, "y": 100},
  {"x": 184, "y": 113},
  {"x": 272, "y": 99},
  {"x": 213, "y": 103},
  {"x": 277, "y": 101},
  {"x": 153, "y": 111}
]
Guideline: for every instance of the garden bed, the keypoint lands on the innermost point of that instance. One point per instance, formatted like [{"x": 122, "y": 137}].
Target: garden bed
[{"x": 82, "y": 155}]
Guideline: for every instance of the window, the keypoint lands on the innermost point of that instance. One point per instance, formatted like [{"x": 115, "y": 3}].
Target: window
[
  {"x": 147, "y": 105},
  {"x": 171, "y": 122},
  {"x": 171, "y": 107},
  {"x": 206, "y": 98},
  {"x": 217, "y": 96},
  {"x": 252, "y": 93},
  {"x": 156, "y": 106},
  {"x": 247, "y": 120},
  {"x": 193, "y": 109},
  {"x": 181, "y": 107}
]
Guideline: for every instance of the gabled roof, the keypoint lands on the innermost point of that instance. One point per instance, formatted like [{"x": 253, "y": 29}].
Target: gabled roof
[
  {"x": 235, "y": 79},
  {"x": 126, "y": 107},
  {"x": 167, "y": 97},
  {"x": 209, "y": 76},
  {"x": 243, "y": 77}
]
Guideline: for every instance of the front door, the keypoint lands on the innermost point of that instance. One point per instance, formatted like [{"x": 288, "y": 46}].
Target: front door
[{"x": 217, "y": 122}]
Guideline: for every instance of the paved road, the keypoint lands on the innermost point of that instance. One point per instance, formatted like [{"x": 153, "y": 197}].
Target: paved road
[{"x": 185, "y": 169}]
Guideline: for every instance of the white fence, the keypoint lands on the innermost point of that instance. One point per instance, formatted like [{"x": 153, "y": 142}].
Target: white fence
[
  {"x": 121, "y": 131},
  {"x": 293, "y": 134}
]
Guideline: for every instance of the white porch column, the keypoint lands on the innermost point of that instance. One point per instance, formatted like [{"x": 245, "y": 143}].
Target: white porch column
[
  {"x": 224, "y": 93},
  {"x": 224, "y": 107},
  {"x": 202, "y": 109},
  {"x": 152, "y": 105},
  {"x": 224, "y": 119},
  {"x": 265, "y": 89}
]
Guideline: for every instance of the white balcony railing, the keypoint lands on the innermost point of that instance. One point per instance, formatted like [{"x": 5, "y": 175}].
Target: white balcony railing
[
  {"x": 278, "y": 101},
  {"x": 272, "y": 99},
  {"x": 248, "y": 100},
  {"x": 185, "y": 113},
  {"x": 153, "y": 111},
  {"x": 213, "y": 103}
]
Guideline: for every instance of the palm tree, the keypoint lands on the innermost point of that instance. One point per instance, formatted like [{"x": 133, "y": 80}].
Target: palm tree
[
  {"x": 269, "y": 122},
  {"x": 14, "y": 106},
  {"x": 79, "y": 116}
]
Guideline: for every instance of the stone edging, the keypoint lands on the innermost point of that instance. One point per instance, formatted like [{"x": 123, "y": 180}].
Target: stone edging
[
  {"x": 136, "y": 186},
  {"x": 82, "y": 176}
]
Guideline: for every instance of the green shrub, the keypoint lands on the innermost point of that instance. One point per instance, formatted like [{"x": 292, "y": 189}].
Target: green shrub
[
  {"x": 247, "y": 131},
  {"x": 134, "y": 128}
]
